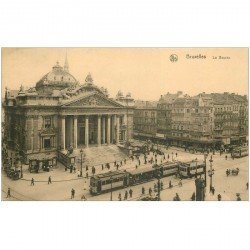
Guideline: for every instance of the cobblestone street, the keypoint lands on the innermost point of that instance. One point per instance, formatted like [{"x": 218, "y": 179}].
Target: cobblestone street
[{"x": 63, "y": 182}]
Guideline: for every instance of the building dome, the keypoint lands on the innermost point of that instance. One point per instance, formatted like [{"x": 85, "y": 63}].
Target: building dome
[{"x": 58, "y": 78}]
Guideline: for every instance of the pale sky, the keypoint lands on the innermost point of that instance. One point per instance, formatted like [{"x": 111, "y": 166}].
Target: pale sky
[{"x": 146, "y": 73}]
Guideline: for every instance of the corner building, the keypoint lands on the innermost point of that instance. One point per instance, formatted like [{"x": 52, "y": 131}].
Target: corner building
[{"x": 59, "y": 113}]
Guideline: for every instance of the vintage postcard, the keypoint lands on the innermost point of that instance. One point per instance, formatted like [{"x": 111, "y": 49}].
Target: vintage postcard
[{"x": 124, "y": 124}]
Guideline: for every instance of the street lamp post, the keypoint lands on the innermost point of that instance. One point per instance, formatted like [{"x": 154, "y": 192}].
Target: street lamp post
[
  {"x": 111, "y": 193},
  {"x": 211, "y": 172},
  {"x": 205, "y": 169},
  {"x": 196, "y": 168},
  {"x": 81, "y": 162},
  {"x": 159, "y": 186},
  {"x": 21, "y": 167}
]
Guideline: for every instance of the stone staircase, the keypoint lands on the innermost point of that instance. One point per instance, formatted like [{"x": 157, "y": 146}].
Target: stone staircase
[{"x": 93, "y": 156}]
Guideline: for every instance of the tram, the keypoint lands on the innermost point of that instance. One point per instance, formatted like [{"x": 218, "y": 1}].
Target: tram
[
  {"x": 140, "y": 175},
  {"x": 119, "y": 179},
  {"x": 108, "y": 181},
  {"x": 240, "y": 152},
  {"x": 168, "y": 168},
  {"x": 192, "y": 168}
]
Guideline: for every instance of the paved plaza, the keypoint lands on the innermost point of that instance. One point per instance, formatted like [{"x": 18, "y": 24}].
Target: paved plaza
[{"x": 63, "y": 181}]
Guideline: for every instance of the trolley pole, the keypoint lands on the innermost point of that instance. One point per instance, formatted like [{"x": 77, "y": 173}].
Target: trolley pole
[{"x": 111, "y": 193}]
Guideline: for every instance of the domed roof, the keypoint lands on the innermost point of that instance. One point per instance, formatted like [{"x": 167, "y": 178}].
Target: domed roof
[{"x": 58, "y": 78}]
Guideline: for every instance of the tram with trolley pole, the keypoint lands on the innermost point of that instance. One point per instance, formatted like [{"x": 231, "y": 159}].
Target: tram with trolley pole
[
  {"x": 109, "y": 181},
  {"x": 240, "y": 152},
  {"x": 191, "y": 169},
  {"x": 167, "y": 168},
  {"x": 140, "y": 175}
]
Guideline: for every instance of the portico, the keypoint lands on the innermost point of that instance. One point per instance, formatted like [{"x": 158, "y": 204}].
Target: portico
[{"x": 80, "y": 131}]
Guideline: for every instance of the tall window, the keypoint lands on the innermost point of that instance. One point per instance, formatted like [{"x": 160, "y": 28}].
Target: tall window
[
  {"x": 47, "y": 122},
  {"x": 46, "y": 143}
]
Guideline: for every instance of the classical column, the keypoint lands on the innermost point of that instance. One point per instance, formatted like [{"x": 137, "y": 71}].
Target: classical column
[
  {"x": 99, "y": 130},
  {"x": 63, "y": 133},
  {"x": 75, "y": 131},
  {"x": 108, "y": 130},
  {"x": 117, "y": 129},
  {"x": 32, "y": 134},
  {"x": 86, "y": 131},
  {"x": 103, "y": 130},
  {"x": 114, "y": 128}
]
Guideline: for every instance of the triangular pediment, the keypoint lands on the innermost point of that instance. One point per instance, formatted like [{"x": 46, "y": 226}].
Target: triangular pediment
[{"x": 92, "y": 100}]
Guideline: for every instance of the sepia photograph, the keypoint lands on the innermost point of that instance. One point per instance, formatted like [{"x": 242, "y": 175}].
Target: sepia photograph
[{"x": 124, "y": 124}]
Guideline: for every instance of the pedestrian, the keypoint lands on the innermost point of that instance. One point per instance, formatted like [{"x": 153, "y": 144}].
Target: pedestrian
[
  {"x": 125, "y": 161},
  {"x": 161, "y": 185},
  {"x": 117, "y": 166},
  {"x": 176, "y": 154},
  {"x": 136, "y": 166},
  {"x": 180, "y": 183},
  {"x": 8, "y": 193},
  {"x": 102, "y": 166},
  {"x": 213, "y": 190},
  {"x": 83, "y": 197},
  {"x": 121, "y": 163},
  {"x": 170, "y": 184},
  {"x": 32, "y": 183},
  {"x": 139, "y": 162},
  {"x": 71, "y": 168},
  {"x": 247, "y": 185},
  {"x": 168, "y": 156},
  {"x": 126, "y": 195},
  {"x": 226, "y": 157},
  {"x": 65, "y": 169},
  {"x": 93, "y": 170},
  {"x": 238, "y": 197},
  {"x": 150, "y": 191},
  {"x": 130, "y": 193},
  {"x": 72, "y": 193},
  {"x": 143, "y": 190},
  {"x": 193, "y": 197},
  {"x": 155, "y": 187},
  {"x": 49, "y": 180},
  {"x": 219, "y": 197},
  {"x": 87, "y": 168},
  {"x": 119, "y": 197},
  {"x": 177, "y": 197}
]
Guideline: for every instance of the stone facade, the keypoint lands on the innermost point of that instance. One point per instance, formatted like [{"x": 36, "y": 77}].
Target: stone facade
[
  {"x": 204, "y": 120},
  {"x": 145, "y": 117},
  {"x": 59, "y": 113}
]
